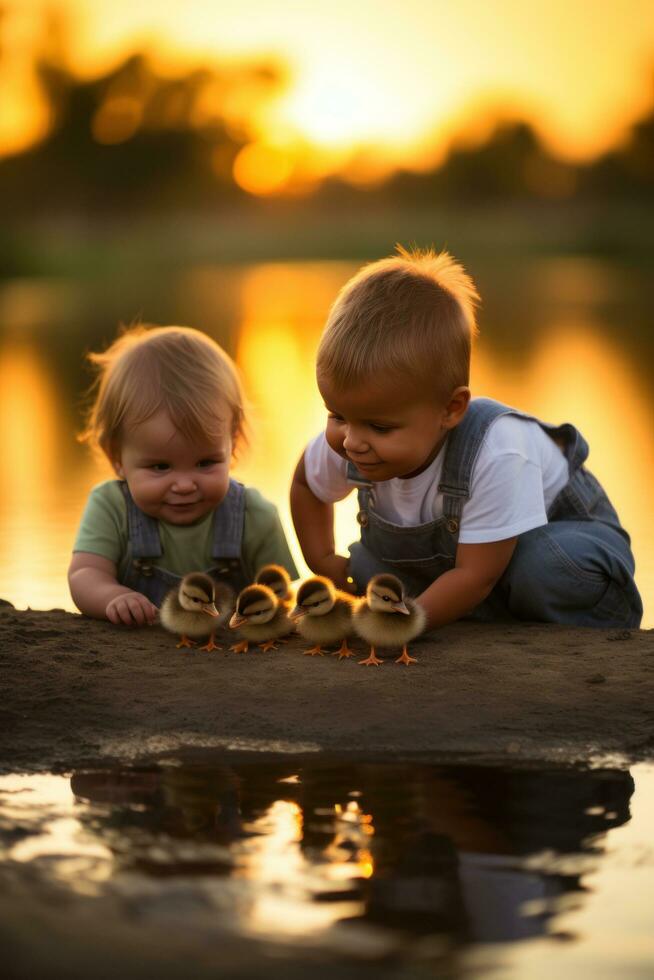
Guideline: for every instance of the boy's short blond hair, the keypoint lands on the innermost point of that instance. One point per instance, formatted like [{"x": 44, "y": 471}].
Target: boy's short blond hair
[
  {"x": 410, "y": 316},
  {"x": 177, "y": 369}
]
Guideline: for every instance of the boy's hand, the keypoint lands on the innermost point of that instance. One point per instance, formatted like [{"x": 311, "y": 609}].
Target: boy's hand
[
  {"x": 337, "y": 568},
  {"x": 131, "y": 609}
]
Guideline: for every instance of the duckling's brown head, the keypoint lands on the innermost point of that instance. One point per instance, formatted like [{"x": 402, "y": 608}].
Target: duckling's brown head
[
  {"x": 385, "y": 593},
  {"x": 255, "y": 604},
  {"x": 197, "y": 593},
  {"x": 276, "y": 578},
  {"x": 315, "y": 597}
]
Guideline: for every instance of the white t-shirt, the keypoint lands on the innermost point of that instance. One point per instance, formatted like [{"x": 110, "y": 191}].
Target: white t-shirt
[{"x": 517, "y": 474}]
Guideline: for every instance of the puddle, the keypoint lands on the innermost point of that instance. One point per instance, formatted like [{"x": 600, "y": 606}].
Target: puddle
[{"x": 480, "y": 870}]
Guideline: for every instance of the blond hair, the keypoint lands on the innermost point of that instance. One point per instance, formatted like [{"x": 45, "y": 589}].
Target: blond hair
[
  {"x": 177, "y": 369},
  {"x": 411, "y": 315}
]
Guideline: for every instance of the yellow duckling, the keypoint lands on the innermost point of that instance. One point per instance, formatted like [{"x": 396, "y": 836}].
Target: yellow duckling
[
  {"x": 276, "y": 578},
  {"x": 259, "y": 618},
  {"x": 323, "y": 615},
  {"x": 387, "y": 617},
  {"x": 196, "y": 608}
]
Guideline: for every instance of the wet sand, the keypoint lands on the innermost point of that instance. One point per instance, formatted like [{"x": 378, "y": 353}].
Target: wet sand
[{"x": 75, "y": 691}]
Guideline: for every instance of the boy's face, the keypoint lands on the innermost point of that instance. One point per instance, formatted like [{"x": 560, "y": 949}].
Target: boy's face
[
  {"x": 387, "y": 430},
  {"x": 170, "y": 477}
]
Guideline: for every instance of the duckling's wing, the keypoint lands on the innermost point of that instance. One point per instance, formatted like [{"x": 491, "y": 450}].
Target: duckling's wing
[
  {"x": 369, "y": 625},
  {"x": 170, "y": 609}
]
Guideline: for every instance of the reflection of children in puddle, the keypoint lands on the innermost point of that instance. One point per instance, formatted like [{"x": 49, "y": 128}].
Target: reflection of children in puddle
[
  {"x": 445, "y": 849},
  {"x": 185, "y": 801},
  {"x": 434, "y": 850},
  {"x": 566, "y": 812},
  {"x": 181, "y": 801}
]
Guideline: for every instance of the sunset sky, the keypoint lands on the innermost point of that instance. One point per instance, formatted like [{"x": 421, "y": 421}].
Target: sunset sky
[{"x": 401, "y": 76}]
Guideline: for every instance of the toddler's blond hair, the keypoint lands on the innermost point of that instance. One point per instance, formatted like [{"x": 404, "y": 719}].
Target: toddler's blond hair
[
  {"x": 410, "y": 316},
  {"x": 178, "y": 369}
]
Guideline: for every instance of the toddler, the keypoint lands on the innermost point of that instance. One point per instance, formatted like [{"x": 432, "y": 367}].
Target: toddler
[
  {"x": 168, "y": 414},
  {"x": 482, "y": 510}
]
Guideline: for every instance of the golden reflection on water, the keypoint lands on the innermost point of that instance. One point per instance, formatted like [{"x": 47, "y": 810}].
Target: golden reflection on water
[
  {"x": 572, "y": 372},
  {"x": 273, "y": 860},
  {"x": 283, "y": 313},
  {"x": 44, "y": 481},
  {"x": 44, "y": 806}
]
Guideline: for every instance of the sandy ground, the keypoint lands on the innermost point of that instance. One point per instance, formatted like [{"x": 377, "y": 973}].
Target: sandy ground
[{"x": 74, "y": 691}]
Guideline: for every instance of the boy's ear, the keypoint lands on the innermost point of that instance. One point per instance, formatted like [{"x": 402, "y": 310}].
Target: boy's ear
[{"x": 456, "y": 407}]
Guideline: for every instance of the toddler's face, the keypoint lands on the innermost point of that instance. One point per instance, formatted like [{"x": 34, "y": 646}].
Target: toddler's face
[
  {"x": 386, "y": 430},
  {"x": 170, "y": 477}
]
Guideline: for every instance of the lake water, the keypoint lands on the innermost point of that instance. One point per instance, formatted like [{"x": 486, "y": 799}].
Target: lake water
[
  {"x": 567, "y": 339},
  {"x": 447, "y": 870}
]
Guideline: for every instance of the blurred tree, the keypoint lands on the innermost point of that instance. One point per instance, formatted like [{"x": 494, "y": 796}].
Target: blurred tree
[
  {"x": 512, "y": 164},
  {"x": 132, "y": 138},
  {"x": 628, "y": 170},
  {"x": 135, "y": 139}
]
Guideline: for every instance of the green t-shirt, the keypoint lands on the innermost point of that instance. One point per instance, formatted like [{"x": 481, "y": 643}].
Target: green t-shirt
[{"x": 103, "y": 531}]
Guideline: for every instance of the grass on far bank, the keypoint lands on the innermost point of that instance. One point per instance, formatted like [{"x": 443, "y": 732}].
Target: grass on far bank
[{"x": 81, "y": 245}]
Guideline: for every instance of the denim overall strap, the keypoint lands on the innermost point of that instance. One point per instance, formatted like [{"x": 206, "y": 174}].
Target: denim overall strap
[
  {"x": 144, "y": 545},
  {"x": 227, "y": 546},
  {"x": 143, "y": 531},
  {"x": 365, "y": 494},
  {"x": 462, "y": 449}
]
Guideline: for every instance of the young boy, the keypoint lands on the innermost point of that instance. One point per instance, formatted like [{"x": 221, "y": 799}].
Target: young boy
[
  {"x": 168, "y": 414},
  {"x": 480, "y": 509}
]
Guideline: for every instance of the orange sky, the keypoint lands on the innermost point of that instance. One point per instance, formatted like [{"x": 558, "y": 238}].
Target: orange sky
[{"x": 402, "y": 76}]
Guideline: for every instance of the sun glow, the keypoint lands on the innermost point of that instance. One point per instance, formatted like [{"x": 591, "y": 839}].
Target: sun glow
[{"x": 393, "y": 76}]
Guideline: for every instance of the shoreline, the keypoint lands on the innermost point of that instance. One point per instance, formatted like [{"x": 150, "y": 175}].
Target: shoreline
[{"x": 79, "y": 692}]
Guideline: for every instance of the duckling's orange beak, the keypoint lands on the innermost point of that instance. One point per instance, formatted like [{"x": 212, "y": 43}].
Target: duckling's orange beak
[
  {"x": 401, "y": 608},
  {"x": 236, "y": 620},
  {"x": 211, "y": 609},
  {"x": 297, "y": 613}
]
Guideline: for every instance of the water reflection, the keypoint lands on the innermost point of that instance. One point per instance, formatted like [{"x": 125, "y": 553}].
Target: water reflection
[
  {"x": 471, "y": 853},
  {"x": 359, "y": 860},
  {"x": 567, "y": 339}
]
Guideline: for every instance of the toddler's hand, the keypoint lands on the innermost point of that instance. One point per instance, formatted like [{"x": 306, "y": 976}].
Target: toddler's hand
[
  {"x": 337, "y": 568},
  {"x": 131, "y": 609}
]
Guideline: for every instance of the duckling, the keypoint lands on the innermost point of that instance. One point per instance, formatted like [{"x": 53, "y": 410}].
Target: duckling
[
  {"x": 185, "y": 608},
  {"x": 323, "y": 615},
  {"x": 260, "y": 618},
  {"x": 276, "y": 578},
  {"x": 376, "y": 621}
]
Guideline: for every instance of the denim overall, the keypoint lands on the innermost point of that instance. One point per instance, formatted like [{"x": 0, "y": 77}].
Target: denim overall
[
  {"x": 577, "y": 569},
  {"x": 145, "y": 544}
]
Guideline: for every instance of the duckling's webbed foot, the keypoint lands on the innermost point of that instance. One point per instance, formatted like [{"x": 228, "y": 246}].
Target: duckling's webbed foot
[
  {"x": 372, "y": 660},
  {"x": 210, "y": 645},
  {"x": 404, "y": 658},
  {"x": 343, "y": 651},
  {"x": 268, "y": 645},
  {"x": 241, "y": 647},
  {"x": 185, "y": 642},
  {"x": 314, "y": 651}
]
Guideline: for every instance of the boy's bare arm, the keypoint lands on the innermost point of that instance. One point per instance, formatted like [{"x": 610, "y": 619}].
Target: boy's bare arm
[
  {"x": 314, "y": 526},
  {"x": 96, "y": 592},
  {"x": 457, "y": 592}
]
